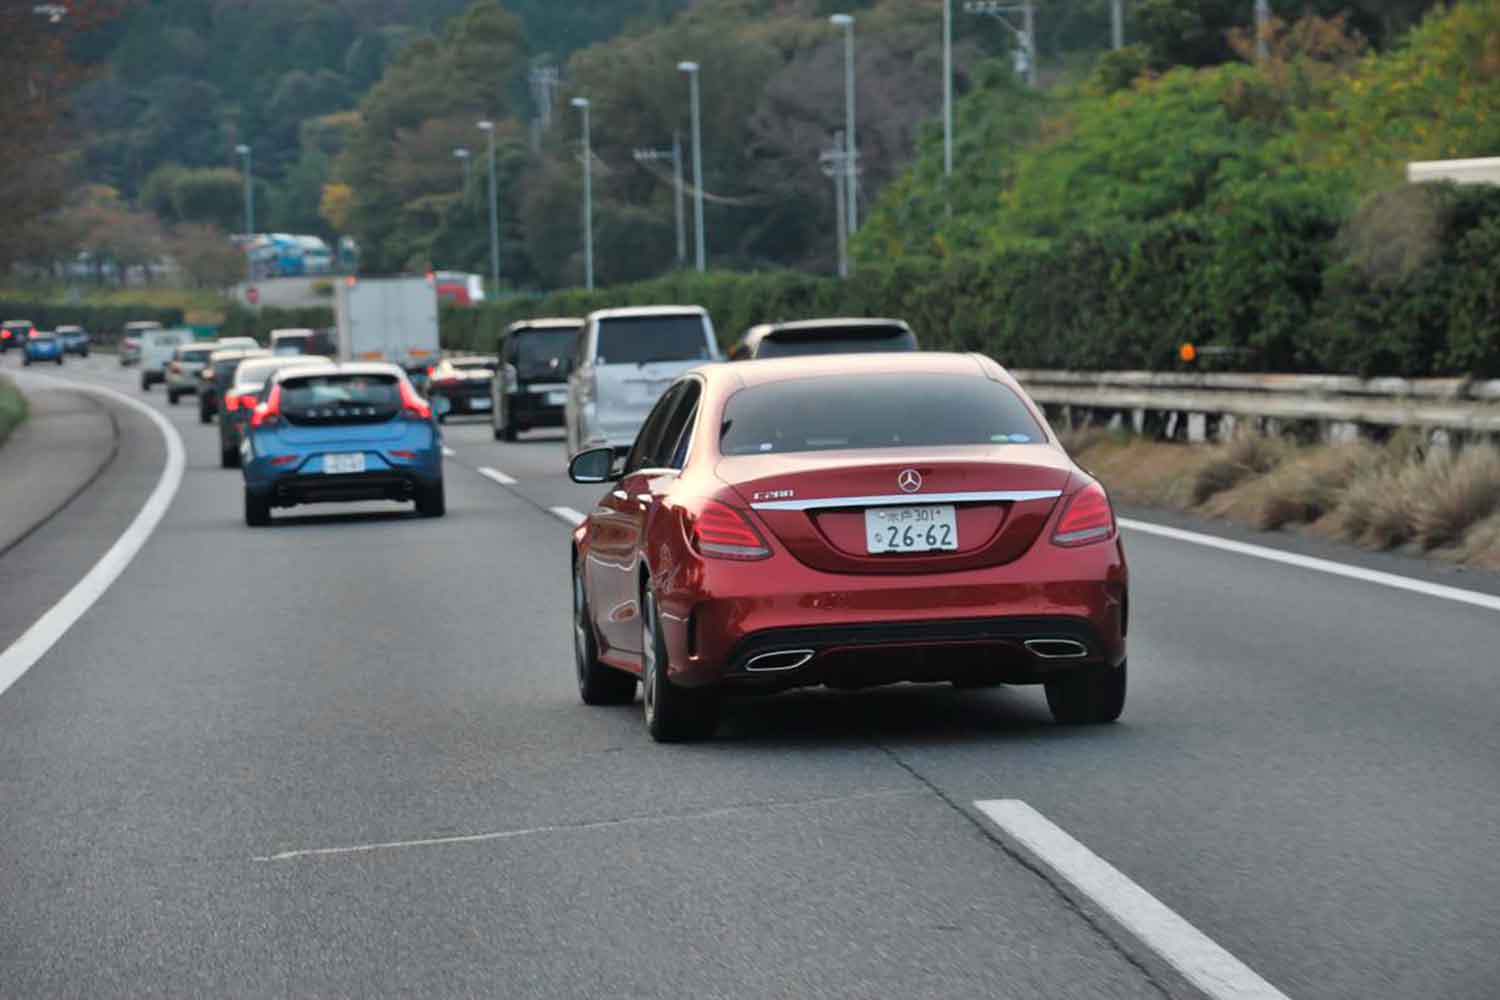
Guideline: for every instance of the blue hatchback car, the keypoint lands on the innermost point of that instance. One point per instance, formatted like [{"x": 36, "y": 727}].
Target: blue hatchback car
[
  {"x": 42, "y": 347},
  {"x": 338, "y": 433}
]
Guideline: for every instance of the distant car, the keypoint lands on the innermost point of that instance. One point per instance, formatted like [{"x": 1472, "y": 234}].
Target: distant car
[
  {"x": 42, "y": 346},
  {"x": 846, "y": 522},
  {"x": 824, "y": 336},
  {"x": 158, "y": 347},
  {"x": 75, "y": 340},
  {"x": 530, "y": 388},
  {"x": 625, "y": 359},
  {"x": 317, "y": 342},
  {"x": 130, "y": 340},
  {"x": 460, "y": 386},
  {"x": 182, "y": 371},
  {"x": 237, "y": 402},
  {"x": 14, "y": 333},
  {"x": 338, "y": 433},
  {"x": 218, "y": 375}
]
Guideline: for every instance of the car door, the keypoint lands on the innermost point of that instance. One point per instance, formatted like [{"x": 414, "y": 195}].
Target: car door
[{"x": 617, "y": 529}]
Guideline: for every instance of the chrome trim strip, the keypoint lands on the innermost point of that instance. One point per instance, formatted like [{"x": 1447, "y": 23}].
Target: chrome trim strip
[{"x": 911, "y": 500}]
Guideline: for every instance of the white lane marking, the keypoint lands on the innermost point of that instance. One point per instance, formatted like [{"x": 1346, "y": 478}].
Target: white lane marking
[
  {"x": 448, "y": 452},
  {"x": 573, "y": 517},
  {"x": 497, "y": 476},
  {"x": 1185, "y": 948},
  {"x": 34, "y": 643},
  {"x": 1479, "y": 600}
]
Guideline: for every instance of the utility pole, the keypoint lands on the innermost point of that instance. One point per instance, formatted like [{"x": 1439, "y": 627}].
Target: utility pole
[
  {"x": 488, "y": 128},
  {"x": 1117, "y": 23},
  {"x": 244, "y": 151},
  {"x": 675, "y": 155},
  {"x": 947, "y": 88},
  {"x": 1262, "y": 30},
  {"x": 851, "y": 185},
  {"x": 1025, "y": 35},
  {"x": 835, "y": 164},
  {"x": 693, "y": 71},
  {"x": 462, "y": 153},
  {"x": 544, "y": 79},
  {"x": 582, "y": 104}
]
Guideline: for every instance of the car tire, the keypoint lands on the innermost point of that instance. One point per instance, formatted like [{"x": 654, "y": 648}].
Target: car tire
[
  {"x": 173, "y": 397},
  {"x": 205, "y": 415},
  {"x": 499, "y": 432},
  {"x": 257, "y": 510},
  {"x": 673, "y": 714},
  {"x": 83, "y": 353},
  {"x": 145, "y": 382},
  {"x": 511, "y": 431},
  {"x": 431, "y": 501},
  {"x": 229, "y": 458},
  {"x": 598, "y": 684},
  {"x": 59, "y": 360},
  {"x": 1091, "y": 698}
]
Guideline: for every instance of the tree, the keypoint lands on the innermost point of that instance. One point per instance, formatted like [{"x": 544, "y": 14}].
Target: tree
[
  {"x": 215, "y": 196},
  {"x": 206, "y": 256}
]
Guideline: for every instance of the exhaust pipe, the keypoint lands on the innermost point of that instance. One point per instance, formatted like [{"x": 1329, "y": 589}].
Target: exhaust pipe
[
  {"x": 1057, "y": 649},
  {"x": 784, "y": 659}
]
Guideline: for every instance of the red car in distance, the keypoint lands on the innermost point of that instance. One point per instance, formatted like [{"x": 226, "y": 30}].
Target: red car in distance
[{"x": 848, "y": 521}]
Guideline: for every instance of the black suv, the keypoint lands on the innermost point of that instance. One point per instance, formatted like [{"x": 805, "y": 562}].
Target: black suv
[
  {"x": 217, "y": 376},
  {"x": 531, "y": 387}
]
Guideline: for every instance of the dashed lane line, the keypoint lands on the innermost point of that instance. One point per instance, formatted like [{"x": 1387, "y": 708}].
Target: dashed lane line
[
  {"x": 568, "y": 514},
  {"x": 448, "y": 452},
  {"x": 1187, "y": 950},
  {"x": 497, "y": 476}
]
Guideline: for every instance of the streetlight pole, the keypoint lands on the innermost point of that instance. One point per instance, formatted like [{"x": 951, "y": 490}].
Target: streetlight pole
[
  {"x": 834, "y": 166},
  {"x": 851, "y": 186},
  {"x": 462, "y": 153},
  {"x": 693, "y": 71},
  {"x": 582, "y": 104},
  {"x": 1117, "y": 23},
  {"x": 1026, "y": 34},
  {"x": 244, "y": 151},
  {"x": 488, "y": 128},
  {"x": 947, "y": 88},
  {"x": 1262, "y": 30},
  {"x": 675, "y": 155}
]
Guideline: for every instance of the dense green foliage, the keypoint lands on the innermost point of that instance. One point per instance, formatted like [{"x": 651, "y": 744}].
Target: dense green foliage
[
  {"x": 104, "y": 322},
  {"x": 13, "y": 408}
]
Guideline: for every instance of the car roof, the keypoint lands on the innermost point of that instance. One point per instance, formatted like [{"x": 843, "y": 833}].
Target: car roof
[
  {"x": 550, "y": 323},
  {"x": 69, "y": 326},
  {"x": 637, "y": 312},
  {"x": 274, "y": 363},
  {"x": 471, "y": 359},
  {"x": 751, "y": 373},
  {"x": 18, "y": 322},
  {"x": 231, "y": 353}
]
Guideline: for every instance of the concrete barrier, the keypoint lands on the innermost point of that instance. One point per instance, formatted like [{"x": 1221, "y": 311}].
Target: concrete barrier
[{"x": 1193, "y": 406}]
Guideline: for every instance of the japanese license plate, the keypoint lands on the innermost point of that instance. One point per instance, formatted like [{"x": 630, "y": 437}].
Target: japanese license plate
[
  {"x": 479, "y": 402},
  {"x": 343, "y": 465},
  {"x": 911, "y": 529},
  {"x": 558, "y": 398}
]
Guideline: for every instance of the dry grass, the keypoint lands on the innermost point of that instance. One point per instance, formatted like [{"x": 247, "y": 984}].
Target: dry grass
[
  {"x": 1460, "y": 493},
  {"x": 1246, "y": 456},
  {"x": 1307, "y": 487}
]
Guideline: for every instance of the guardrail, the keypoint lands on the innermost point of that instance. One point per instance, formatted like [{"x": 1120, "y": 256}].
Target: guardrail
[{"x": 1196, "y": 406}]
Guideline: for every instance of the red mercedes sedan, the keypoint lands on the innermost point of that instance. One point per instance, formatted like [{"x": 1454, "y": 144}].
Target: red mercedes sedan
[{"x": 847, "y": 521}]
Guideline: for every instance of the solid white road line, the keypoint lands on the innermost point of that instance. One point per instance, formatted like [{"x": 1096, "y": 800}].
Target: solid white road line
[
  {"x": 1479, "y": 600},
  {"x": 48, "y": 629},
  {"x": 497, "y": 476},
  {"x": 568, "y": 514},
  {"x": 1203, "y": 963}
]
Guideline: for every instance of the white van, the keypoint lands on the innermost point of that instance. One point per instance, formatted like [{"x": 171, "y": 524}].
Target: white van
[
  {"x": 157, "y": 349},
  {"x": 626, "y": 359}
]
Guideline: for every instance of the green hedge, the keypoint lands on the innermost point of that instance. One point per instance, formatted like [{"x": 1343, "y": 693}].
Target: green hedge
[
  {"x": 258, "y": 323},
  {"x": 1283, "y": 280},
  {"x": 13, "y": 408},
  {"x": 103, "y": 323}
]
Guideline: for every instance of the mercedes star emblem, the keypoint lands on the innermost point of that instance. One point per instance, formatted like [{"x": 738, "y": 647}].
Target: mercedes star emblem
[{"x": 910, "y": 481}]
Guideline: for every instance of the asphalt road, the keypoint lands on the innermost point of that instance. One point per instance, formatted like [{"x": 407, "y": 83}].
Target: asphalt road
[{"x": 1307, "y": 771}]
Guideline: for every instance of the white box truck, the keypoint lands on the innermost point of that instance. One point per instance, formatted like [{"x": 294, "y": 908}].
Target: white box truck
[{"x": 388, "y": 319}]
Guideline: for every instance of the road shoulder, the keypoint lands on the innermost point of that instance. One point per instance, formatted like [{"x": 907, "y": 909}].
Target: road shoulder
[{"x": 69, "y": 439}]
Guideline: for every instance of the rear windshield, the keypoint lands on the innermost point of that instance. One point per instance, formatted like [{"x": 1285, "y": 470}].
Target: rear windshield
[
  {"x": 253, "y": 374},
  {"x": 638, "y": 340},
  {"x": 342, "y": 397},
  {"x": 164, "y": 339},
  {"x": 197, "y": 355},
  {"x": 537, "y": 350},
  {"x": 843, "y": 340},
  {"x": 874, "y": 411}
]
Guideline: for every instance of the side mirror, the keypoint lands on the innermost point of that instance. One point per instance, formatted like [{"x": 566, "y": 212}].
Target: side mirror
[{"x": 597, "y": 465}]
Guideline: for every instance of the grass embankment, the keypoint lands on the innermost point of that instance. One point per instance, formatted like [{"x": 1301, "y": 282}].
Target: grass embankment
[
  {"x": 1401, "y": 495},
  {"x": 13, "y": 408}
]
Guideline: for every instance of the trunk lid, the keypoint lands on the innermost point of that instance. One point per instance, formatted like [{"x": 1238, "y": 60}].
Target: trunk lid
[{"x": 815, "y": 503}]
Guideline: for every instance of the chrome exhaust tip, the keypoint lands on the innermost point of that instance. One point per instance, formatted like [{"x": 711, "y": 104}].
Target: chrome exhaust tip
[
  {"x": 782, "y": 659},
  {"x": 1057, "y": 649}
]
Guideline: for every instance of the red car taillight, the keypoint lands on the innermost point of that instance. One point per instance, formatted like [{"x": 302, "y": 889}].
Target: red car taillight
[
  {"x": 413, "y": 405},
  {"x": 1088, "y": 518},
  {"x": 722, "y": 532},
  {"x": 269, "y": 412}
]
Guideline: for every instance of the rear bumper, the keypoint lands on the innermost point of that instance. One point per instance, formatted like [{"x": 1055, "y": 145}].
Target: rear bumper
[
  {"x": 464, "y": 403},
  {"x": 384, "y": 484},
  {"x": 527, "y": 409}
]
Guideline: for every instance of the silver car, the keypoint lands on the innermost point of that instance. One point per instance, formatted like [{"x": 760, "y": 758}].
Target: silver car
[{"x": 626, "y": 358}]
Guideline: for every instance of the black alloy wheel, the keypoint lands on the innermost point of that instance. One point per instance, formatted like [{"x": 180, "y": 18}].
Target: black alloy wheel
[
  {"x": 673, "y": 714},
  {"x": 598, "y": 684}
]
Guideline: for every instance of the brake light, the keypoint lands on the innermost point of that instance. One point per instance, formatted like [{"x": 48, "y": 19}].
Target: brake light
[
  {"x": 404, "y": 454},
  {"x": 722, "y": 532},
  {"x": 4, "y": 334},
  {"x": 268, "y": 412},
  {"x": 284, "y": 460},
  {"x": 1088, "y": 518},
  {"x": 431, "y": 369},
  {"x": 413, "y": 405}
]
